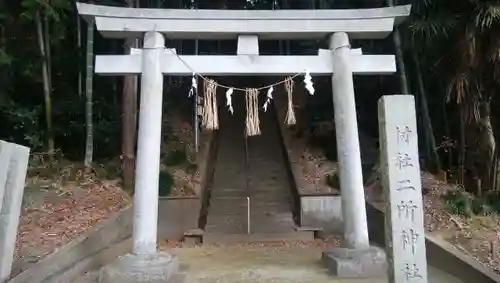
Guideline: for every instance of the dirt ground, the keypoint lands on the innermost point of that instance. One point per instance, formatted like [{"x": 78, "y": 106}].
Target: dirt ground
[
  {"x": 292, "y": 262},
  {"x": 279, "y": 262}
]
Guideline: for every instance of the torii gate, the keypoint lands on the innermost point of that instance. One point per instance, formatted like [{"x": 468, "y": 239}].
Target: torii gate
[{"x": 154, "y": 60}]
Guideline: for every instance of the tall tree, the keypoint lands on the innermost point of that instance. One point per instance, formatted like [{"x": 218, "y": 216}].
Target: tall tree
[
  {"x": 463, "y": 40},
  {"x": 89, "y": 79},
  {"x": 396, "y": 37},
  {"x": 129, "y": 112},
  {"x": 79, "y": 46},
  {"x": 430, "y": 141},
  {"x": 47, "y": 87}
]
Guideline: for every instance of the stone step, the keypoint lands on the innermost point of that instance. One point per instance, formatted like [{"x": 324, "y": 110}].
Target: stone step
[
  {"x": 255, "y": 191},
  {"x": 254, "y": 200},
  {"x": 261, "y": 175},
  {"x": 277, "y": 217},
  {"x": 219, "y": 238},
  {"x": 254, "y": 218},
  {"x": 261, "y": 215},
  {"x": 253, "y": 206},
  {"x": 283, "y": 195},
  {"x": 241, "y": 227},
  {"x": 234, "y": 230},
  {"x": 254, "y": 210},
  {"x": 263, "y": 224}
]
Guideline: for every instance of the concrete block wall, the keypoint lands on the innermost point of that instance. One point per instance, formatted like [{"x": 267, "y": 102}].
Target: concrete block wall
[{"x": 323, "y": 212}]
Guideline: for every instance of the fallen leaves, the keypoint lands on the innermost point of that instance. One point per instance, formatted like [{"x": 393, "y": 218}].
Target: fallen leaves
[
  {"x": 184, "y": 181},
  {"x": 59, "y": 218},
  {"x": 313, "y": 165},
  {"x": 473, "y": 236}
]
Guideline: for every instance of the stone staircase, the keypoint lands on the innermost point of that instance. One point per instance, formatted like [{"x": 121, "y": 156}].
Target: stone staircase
[{"x": 263, "y": 179}]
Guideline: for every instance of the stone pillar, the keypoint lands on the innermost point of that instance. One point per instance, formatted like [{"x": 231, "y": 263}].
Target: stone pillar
[
  {"x": 148, "y": 147},
  {"x": 13, "y": 166},
  {"x": 400, "y": 168},
  {"x": 349, "y": 156},
  {"x": 358, "y": 259},
  {"x": 145, "y": 264}
]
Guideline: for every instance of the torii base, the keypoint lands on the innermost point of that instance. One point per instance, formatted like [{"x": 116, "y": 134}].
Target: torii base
[
  {"x": 156, "y": 268},
  {"x": 356, "y": 263}
]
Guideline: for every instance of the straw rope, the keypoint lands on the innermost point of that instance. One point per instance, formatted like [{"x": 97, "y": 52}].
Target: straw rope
[
  {"x": 252, "y": 108},
  {"x": 290, "y": 114},
  {"x": 210, "y": 118}
]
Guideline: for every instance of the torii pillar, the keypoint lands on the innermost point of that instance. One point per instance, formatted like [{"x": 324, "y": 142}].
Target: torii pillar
[
  {"x": 357, "y": 258},
  {"x": 145, "y": 263}
]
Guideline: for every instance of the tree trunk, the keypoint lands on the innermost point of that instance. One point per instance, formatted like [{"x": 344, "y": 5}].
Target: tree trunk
[
  {"x": 48, "y": 49},
  {"x": 462, "y": 148},
  {"x": 399, "y": 56},
  {"x": 479, "y": 156},
  {"x": 46, "y": 85},
  {"x": 89, "y": 141},
  {"x": 429, "y": 131},
  {"x": 488, "y": 145},
  {"x": 446, "y": 128},
  {"x": 79, "y": 46},
  {"x": 129, "y": 122}
]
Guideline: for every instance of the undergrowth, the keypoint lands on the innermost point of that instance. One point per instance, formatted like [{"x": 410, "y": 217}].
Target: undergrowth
[{"x": 462, "y": 203}]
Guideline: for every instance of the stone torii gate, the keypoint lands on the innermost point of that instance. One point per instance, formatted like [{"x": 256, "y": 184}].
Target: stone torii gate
[{"x": 145, "y": 264}]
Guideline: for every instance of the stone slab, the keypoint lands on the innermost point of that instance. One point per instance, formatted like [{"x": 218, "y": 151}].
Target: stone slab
[
  {"x": 241, "y": 65},
  {"x": 404, "y": 223},
  {"x": 10, "y": 209},
  {"x": 353, "y": 263},
  {"x": 155, "y": 268},
  {"x": 5, "y": 152},
  {"x": 221, "y": 24}
]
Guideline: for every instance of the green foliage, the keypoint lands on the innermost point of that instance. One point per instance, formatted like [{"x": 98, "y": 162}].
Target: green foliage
[
  {"x": 458, "y": 203},
  {"x": 168, "y": 135},
  {"x": 457, "y": 42},
  {"x": 493, "y": 200},
  {"x": 175, "y": 158},
  {"x": 465, "y": 204},
  {"x": 191, "y": 167},
  {"x": 165, "y": 183},
  {"x": 53, "y": 9},
  {"x": 333, "y": 181},
  {"x": 460, "y": 36},
  {"x": 5, "y": 59},
  {"x": 21, "y": 124}
]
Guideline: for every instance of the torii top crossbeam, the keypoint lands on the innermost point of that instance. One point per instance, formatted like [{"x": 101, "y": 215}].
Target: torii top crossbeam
[{"x": 118, "y": 22}]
